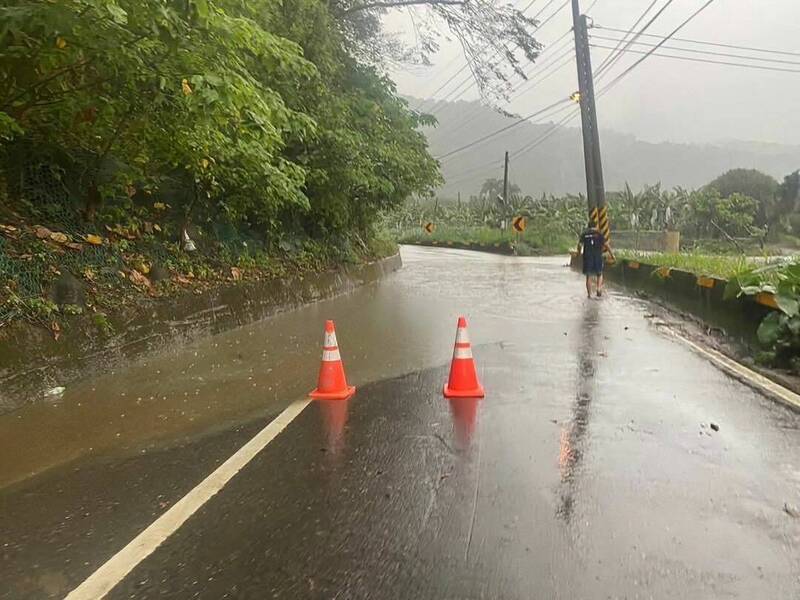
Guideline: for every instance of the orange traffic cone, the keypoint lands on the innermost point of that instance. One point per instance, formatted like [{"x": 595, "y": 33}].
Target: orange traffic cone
[
  {"x": 463, "y": 382},
  {"x": 331, "y": 383}
]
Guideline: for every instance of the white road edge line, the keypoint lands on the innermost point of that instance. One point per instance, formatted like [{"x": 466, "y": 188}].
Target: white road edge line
[
  {"x": 123, "y": 562},
  {"x": 738, "y": 370}
]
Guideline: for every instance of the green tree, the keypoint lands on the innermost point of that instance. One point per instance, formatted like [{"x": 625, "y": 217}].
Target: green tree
[
  {"x": 256, "y": 113},
  {"x": 755, "y": 184},
  {"x": 493, "y": 187},
  {"x": 789, "y": 200},
  {"x": 709, "y": 215}
]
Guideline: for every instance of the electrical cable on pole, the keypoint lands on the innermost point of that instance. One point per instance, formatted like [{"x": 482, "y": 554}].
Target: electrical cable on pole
[
  {"x": 624, "y": 74},
  {"x": 704, "y": 42},
  {"x": 503, "y": 129},
  {"x": 627, "y": 33},
  {"x": 706, "y": 60},
  {"x": 469, "y": 81},
  {"x": 618, "y": 55},
  {"x": 697, "y": 51}
]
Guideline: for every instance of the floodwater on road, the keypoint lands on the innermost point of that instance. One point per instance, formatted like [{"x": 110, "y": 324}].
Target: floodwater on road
[{"x": 590, "y": 470}]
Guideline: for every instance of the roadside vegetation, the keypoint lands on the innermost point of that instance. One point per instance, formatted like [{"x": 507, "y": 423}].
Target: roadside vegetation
[
  {"x": 779, "y": 332},
  {"x": 723, "y": 266},
  {"x": 733, "y": 228},
  {"x": 552, "y": 224},
  {"x": 742, "y": 212},
  {"x": 146, "y": 144}
]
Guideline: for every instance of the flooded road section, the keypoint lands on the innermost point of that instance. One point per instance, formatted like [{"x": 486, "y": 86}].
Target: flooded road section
[{"x": 589, "y": 470}]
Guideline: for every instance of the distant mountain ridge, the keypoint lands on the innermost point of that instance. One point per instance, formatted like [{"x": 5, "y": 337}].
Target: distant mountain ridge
[{"x": 556, "y": 165}]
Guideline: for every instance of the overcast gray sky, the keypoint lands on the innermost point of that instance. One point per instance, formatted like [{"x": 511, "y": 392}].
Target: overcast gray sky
[{"x": 663, "y": 99}]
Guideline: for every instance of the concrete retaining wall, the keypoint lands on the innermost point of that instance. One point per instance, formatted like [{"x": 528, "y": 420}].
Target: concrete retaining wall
[
  {"x": 31, "y": 361},
  {"x": 649, "y": 241}
]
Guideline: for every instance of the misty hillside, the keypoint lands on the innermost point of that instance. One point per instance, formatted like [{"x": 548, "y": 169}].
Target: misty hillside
[{"x": 556, "y": 165}]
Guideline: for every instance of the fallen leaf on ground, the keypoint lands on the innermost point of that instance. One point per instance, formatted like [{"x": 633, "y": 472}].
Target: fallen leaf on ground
[
  {"x": 236, "y": 274},
  {"x": 56, "y": 329},
  {"x": 74, "y": 246},
  {"x": 93, "y": 239},
  {"x": 59, "y": 237},
  {"x": 41, "y": 232},
  {"x": 88, "y": 274},
  {"x": 8, "y": 229},
  {"x": 157, "y": 227},
  {"x": 181, "y": 279},
  {"x": 159, "y": 205},
  {"x": 139, "y": 279}
]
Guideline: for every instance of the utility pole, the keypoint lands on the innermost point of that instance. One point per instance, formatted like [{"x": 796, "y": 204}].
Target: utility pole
[
  {"x": 595, "y": 187},
  {"x": 505, "y": 191}
]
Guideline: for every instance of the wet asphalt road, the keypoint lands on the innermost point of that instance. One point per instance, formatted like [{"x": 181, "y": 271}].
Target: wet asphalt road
[{"x": 589, "y": 470}]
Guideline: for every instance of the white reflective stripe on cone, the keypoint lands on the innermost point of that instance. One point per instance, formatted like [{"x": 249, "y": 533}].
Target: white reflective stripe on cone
[
  {"x": 462, "y": 337},
  {"x": 331, "y": 355},
  {"x": 330, "y": 339},
  {"x": 462, "y": 352}
]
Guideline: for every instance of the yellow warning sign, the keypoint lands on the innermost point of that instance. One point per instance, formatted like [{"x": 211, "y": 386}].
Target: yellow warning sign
[
  {"x": 429, "y": 227},
  {"x": 519, "y": 224}
]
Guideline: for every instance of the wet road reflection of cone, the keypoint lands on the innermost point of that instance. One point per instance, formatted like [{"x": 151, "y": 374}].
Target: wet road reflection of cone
[
  {"x": 463, "y": 381},
  {"x": 331, "y": 383},
  {"x": 334, "y": 419},
  {"x": 465, "y": 417}
]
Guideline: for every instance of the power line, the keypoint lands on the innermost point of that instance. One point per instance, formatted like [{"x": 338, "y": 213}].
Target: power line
[
  {"x": 550, "y": 18},
  {"x": 532, "y": 81},
  {"x": 704, "y": 60},
  {"x": 696, "y": 51},
  {"x": 535, "y": 75},
  {"x": 537, "y": 81},
  {"x": 627, "y": 33},
  {"x": 622, "y": 75},
  {"x": 706, "y": 43},
  {"x": 469, "y": 80},
  {"x": 601, "y": 72},
  {"x": 506, "y": 128},
  {"x": 461, "y": 70},
  {"x": 467, "y": 65},
  {"x": 552, "y": 129}
]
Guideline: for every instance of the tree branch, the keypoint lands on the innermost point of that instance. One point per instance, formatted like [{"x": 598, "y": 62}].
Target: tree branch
[
  {"x": 399, "y": 3},
  {"x": 728, "y": 236}
]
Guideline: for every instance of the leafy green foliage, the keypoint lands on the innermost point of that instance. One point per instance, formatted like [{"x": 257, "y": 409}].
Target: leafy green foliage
[
  {"x": 249, "y": 113},
  {"x": 700, "y": 264},
  {"x": 779, "y": 332},
  {"x": 748, "y": 182}
]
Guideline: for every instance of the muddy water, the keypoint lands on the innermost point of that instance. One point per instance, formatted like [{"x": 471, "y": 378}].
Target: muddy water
[
  {"x": 32, "y": 362},
  {"x": 401, "y": 324}
]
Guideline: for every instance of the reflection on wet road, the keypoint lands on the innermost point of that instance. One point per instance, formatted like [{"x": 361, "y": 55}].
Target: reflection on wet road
[
  {"x": 574, "y": 432},
  {"x": 588, "y": 471}
]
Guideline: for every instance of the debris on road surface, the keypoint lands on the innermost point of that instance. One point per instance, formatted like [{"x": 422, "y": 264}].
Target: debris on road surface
[
  {"x": 791, "y": 510},
  {"x": 714, "y": 426}
]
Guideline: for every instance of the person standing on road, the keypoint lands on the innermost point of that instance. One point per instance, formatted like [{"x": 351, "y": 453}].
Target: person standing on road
[{"x": 592, "y": 243}]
